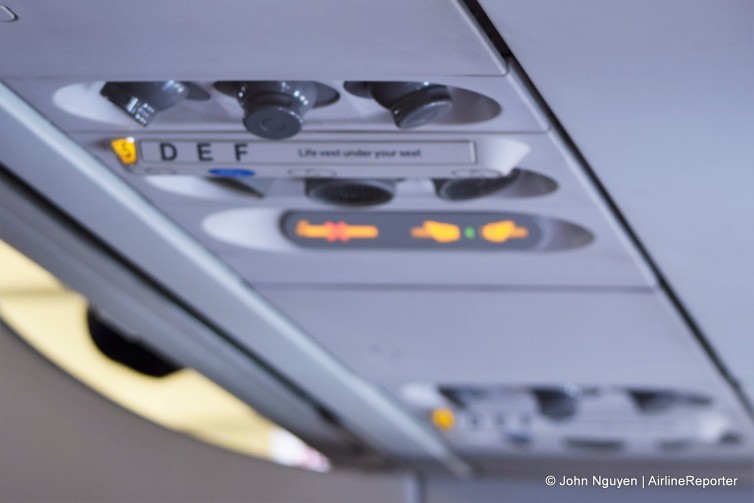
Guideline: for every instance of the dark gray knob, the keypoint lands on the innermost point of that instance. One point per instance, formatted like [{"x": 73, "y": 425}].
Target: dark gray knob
[
  {"x": 275, "y": 109},
  {"x": 462, "y": 189},
  {"x": 412, "y": 104},
  {"x": 557, "y": 404},
  {"x": 654, "y": 400},
  {"x": 142, "y": 100}
]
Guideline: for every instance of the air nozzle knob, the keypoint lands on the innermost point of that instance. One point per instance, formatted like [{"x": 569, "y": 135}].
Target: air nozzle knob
[
  {"x": 142, "y": 100},
  {"x": 275, "y": 109},
  {"x": 412, "y": 104}
]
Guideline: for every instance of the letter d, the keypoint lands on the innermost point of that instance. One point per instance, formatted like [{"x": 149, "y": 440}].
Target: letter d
[{"x": 168, "y": 152}]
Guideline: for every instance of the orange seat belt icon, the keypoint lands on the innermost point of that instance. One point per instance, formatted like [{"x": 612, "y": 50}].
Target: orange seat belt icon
[{"x": 335, "y": 231}]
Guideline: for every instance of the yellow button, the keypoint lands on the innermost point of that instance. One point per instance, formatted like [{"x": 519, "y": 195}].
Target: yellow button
[
  {"x": 125, "y": 149},
  {"x": 443, "y": 418}
]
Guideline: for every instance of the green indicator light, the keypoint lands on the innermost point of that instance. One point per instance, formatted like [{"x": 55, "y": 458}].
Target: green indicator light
[{"x": 469, "y": 232}]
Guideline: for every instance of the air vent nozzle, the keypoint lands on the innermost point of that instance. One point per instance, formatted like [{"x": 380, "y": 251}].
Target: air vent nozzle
[
  {"x": 463, "y": 189},
  {"x": 349, "y": 192},
  {"x": 411, "y": 104}
]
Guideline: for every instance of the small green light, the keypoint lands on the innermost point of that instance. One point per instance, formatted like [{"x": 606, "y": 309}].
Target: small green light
[{"x": 469, "y": 232}]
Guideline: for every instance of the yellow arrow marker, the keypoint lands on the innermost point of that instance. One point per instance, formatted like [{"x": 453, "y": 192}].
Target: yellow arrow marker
[
  {"x": 443, "y": 418},
  {"x": 335, "y": 231},
  {"x": 502, "y": 231},
  {"x": 125, "y": 149},
  {"x": 439, "y": 231}
]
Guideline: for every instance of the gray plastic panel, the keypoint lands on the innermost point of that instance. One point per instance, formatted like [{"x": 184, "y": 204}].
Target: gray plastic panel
[
  {"x": 486, "y": 336},
  {"x": 596, "y": 264},
  {"x": 250, "y": 240},
  {"x": 411, "y": 340},
  {"x": 252, "y": 246},
  {"x": 62, "y": 171},
  {"x": 481, "y": 103},
  {"x": 88, "y": 39},
  {"x": 662, "y": 109}
]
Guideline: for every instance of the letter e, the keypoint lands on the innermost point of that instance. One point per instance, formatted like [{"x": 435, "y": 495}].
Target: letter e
[{"x": 204, "y": 152}]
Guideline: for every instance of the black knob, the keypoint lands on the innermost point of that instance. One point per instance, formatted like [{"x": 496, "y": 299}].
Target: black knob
[
  {"x": 411, "y": 104},
  {"x": 142, "y": 100},
  {"x": 654, "y": 400},
  {"x": 556, "y": 404},
  {"x": 275, "y": 109},
  {"x": 462, "y": 189}
]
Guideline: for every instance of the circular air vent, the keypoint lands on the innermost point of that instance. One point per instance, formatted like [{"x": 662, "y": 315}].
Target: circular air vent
[
  {"x": 461, "y": 189},
  {"x": 351, "y": 192}
]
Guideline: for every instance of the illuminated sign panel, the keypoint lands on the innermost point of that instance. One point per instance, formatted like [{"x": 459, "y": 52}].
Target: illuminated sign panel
[{"x": 485, "y": 231}]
